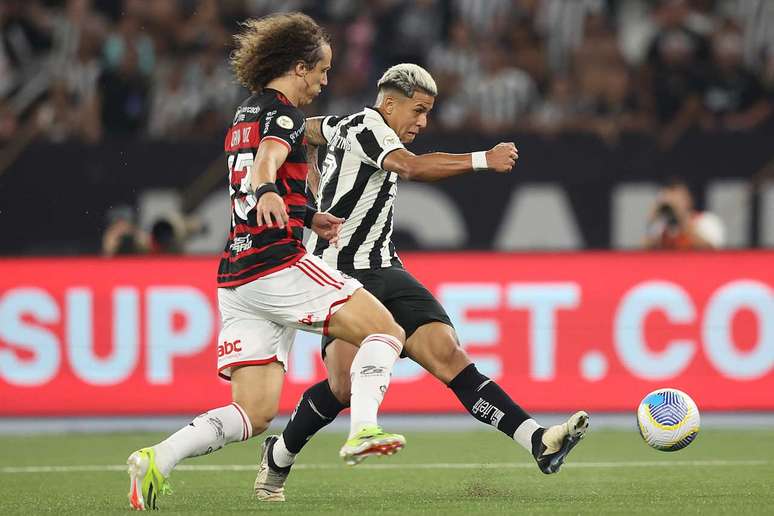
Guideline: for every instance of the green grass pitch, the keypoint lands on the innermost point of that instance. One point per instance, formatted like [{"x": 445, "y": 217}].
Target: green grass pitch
[{"x": 611, "y": 472}]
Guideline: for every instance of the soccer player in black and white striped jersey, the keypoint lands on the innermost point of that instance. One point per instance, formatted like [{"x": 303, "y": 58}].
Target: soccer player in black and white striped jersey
[{"x": 365, "y": 158}]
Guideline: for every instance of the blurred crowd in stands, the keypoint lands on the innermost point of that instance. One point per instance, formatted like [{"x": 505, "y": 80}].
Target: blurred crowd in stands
[{"x": 85, "y": 70}]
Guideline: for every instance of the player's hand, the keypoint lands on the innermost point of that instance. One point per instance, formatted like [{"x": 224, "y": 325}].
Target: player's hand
[
  {"x": 271, "y": 208},
  {"x": 327, "y": 227},
  {"x": 502, "y": 157}
]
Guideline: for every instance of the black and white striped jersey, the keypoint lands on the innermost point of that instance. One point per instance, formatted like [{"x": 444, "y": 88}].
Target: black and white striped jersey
[{"x": 354, "y": 186}]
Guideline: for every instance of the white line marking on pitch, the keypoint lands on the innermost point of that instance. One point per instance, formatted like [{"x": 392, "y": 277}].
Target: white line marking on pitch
[{"x": 437, "y": 465}]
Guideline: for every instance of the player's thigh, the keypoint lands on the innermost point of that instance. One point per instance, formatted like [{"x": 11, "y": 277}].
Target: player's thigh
[
  {"x": 257, "y": 389},
  {"x": 338, "y": 356},
  {"x": 435, "y": 347},
  {"x": 304, "y": 295},
  {"x": 247, "y": 337},
  {"x": 363, "y": 315}
]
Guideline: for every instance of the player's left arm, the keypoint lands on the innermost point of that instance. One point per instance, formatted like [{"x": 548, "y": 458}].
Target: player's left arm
[
  {"x": 313, "y": 174},
  {"x": 319, "y": 129},
  {"x": 440, "y": 165},
  {"x": 313, "y": 131},
  {"x": 327, "y": 226}
]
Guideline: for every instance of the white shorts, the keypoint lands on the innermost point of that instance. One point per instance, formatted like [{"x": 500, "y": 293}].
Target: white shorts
[{"x": 260, "y": 318}]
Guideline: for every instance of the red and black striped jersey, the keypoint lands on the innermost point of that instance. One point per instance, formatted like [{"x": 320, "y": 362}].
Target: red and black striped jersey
[{"x": 253, "y": 251}]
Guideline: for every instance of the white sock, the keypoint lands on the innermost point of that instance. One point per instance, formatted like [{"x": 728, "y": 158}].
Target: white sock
[
  {"x": 281, "y": 456},
  {"x": 206, "y": 433},
  {"x": 370, "y": 372},
  {"x": 523, "y": 434}
]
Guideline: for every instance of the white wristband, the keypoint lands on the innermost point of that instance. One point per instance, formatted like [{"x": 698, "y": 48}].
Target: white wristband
[{"x": 479, "y": 160}]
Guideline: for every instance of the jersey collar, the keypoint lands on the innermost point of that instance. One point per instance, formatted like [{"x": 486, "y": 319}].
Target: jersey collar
[{"x": 378, "y": 113}]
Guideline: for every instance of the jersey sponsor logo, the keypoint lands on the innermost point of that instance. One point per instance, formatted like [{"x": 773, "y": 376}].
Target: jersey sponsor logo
[
  {"x": 242, "y": 110},
  {"x": 370, "y": 370},
  {"x": 285, "y": 122},
  {"x": 229, "y": 347},
  {"x": 295, "y": 134},
  {"x": 308, "y": 320},
  {"x": 487, "y": 410},
  {"x": 242, "y": 243},
  {"x": 269, "y": 118}
]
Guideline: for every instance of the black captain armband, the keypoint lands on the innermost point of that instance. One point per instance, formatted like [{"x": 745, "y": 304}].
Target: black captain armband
[
  {"x": 311, "y": 211},
  {"x": 265, "y": 187}
]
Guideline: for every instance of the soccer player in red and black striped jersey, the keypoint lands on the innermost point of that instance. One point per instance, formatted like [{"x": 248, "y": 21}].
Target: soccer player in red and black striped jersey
[{"x": 268, "y": 285}]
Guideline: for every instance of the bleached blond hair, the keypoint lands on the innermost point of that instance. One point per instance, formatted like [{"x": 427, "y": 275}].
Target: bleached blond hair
[{"x": 406, "y": 78}]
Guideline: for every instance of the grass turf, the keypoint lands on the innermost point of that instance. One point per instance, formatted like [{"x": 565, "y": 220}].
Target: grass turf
[{"x": 740, "y": 478}]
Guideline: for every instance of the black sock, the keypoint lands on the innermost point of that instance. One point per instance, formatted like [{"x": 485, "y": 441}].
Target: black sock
[
  {"x": 486, "y": 401},
  {"x": 318, "y": 407}
]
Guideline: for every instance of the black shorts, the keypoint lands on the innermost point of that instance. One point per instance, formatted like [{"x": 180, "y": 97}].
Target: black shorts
[{"x": 409, "y": 302}]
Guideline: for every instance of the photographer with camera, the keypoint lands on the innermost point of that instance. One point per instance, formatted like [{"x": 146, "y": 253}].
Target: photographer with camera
[{"x": 674, "y": 224}]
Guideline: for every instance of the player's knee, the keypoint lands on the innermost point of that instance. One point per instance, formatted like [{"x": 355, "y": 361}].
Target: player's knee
[
  {"x": 260, "y": 422},
  {"x": 259, "y": 415},
  {"x": 397, "y": 331},
  {"x": 341, "y": 388},
  {"x": 449, "y": 352}
]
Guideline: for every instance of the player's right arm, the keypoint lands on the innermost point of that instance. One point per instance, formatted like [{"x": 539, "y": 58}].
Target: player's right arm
[
  {"x": 440, "y": 165},
  {"x": 269, "y": 158}
]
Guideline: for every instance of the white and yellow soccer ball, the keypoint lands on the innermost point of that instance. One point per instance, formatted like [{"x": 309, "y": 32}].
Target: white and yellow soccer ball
[{"x": 668, "y": 419}]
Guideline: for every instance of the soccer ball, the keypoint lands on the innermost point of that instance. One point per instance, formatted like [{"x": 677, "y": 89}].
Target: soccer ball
[{"x": 668, "y": 419}]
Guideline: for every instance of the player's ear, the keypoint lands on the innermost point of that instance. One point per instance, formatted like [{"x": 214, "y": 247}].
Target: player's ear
[
  {"x": 300, "y": 69},
  {"x": 388, "y": 104}
]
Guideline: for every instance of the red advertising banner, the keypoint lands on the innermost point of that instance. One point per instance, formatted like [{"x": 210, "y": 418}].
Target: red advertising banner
[{"x": 557, "y": 331}]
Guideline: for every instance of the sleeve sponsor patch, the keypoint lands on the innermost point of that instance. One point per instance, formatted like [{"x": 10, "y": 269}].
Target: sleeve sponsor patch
[{"x": 285, "y": 122}]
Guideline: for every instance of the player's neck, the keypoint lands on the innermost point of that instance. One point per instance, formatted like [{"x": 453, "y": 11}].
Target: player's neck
[
  {"x": 384, "y": 114},
  {"x": 286, "y": 86}
]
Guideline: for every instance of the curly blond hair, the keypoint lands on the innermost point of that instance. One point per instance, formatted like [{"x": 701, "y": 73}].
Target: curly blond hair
[{"x": 268, "y": 47}]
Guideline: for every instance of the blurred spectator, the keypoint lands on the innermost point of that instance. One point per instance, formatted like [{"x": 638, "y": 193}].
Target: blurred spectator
[
  {"x": 496, "y": 99},
  {"x": 8, "y": 122},
  {"x": 122, "y": 236},
  {"x": 675, "y": 224},
  {"x": 562, "y": 23},
  {"x": 528, "y": 51},
  {"x": 559, "y": 109},
  {"x": 767, "y": 75},
  {"x": 608, "y": 105},
  {"x": 607, "y": 101},
  {"x": 675, "y": 71},
  {"x": 734, "y": 98},
  {"x": 418, "y": 27},
  {"x": 24, "y": 41},
  {"x": 124, "y": 96},
  {"x": 129, "y": 38},
  {"x": 76, "y": 27},
  {"x": 756, "y": 19},
  {"x": 165, "y": 239},
  {"x": 488, "y": 19},
  {"x": 359, "y": 38},
  {"x": 174, "y": 105},
  {"x": 451, "y": 63},
  {"x": 203, "y": 27}
]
